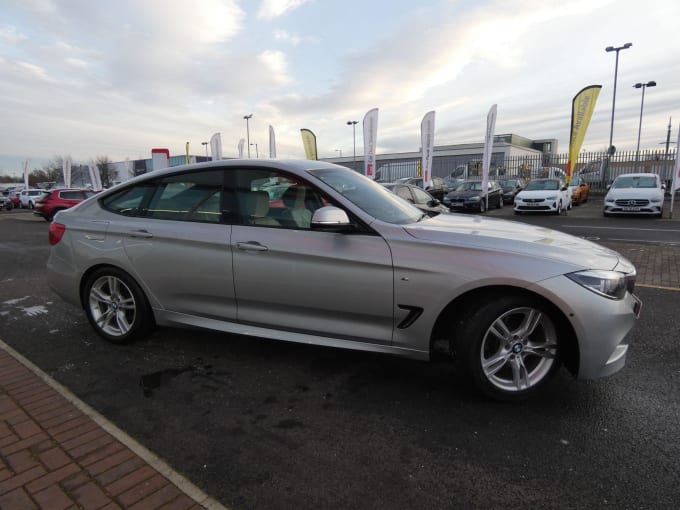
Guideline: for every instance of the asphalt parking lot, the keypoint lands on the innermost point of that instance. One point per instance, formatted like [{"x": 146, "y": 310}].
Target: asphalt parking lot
[{"x": 261, "y": 424}]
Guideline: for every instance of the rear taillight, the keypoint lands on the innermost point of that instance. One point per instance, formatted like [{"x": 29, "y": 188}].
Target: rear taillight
[{"x": 56, "y": 232}]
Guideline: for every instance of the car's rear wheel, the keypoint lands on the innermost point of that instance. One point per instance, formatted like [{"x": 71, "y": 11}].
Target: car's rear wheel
[
  {"x": 500, "y": 203},
  {"x": 116, "y": 306},
  {"x": 509, "y": 347}
]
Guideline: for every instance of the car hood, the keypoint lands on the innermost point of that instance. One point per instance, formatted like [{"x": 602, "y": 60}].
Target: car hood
[
  {"x": 495, "y": 234},
  {"x": 463, "y": 194},
  {"x": 539, "y": 193},
  {"x": 623, "y": 193}
]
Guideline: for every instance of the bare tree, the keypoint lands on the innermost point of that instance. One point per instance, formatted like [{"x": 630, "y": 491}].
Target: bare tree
[{"x": 106, "y": 170}]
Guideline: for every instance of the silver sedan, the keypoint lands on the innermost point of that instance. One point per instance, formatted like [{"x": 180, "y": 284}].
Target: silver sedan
[{"x": 311, "y": 252}]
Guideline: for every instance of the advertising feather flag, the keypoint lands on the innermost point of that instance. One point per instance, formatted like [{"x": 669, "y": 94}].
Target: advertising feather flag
[
  {"x": 309, "y": 143},
  {"x": 370, "y": 141},
  {"x": 272, "y": 143},
  {"x": 66, "y": 169},
  {"x": 216, "y": 146},
  {"x": 582, "y": 107},
  {"x": 427, "y": 147},
  {"x": 27, "y": 163},
  {"x": 488, "y": 147}
]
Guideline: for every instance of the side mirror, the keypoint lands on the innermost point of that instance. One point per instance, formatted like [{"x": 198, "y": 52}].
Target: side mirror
[
  {"x": 433, "y": 203},
  {"x": 331, "y": 219},
  {"x": 564, "y": 188}
]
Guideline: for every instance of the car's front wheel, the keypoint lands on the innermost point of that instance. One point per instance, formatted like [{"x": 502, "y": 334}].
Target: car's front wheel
[
  {"x": 509, "y": 347},
  {"x": 116, "y": 306}
]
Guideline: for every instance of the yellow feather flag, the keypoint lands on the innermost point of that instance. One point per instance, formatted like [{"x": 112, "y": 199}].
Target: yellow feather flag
[
  {"x": 309, "y": 142},
  {"x": 582, "y": 108}
]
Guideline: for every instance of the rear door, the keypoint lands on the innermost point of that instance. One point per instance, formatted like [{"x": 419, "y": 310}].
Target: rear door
[{"x": 176, "y": 239}]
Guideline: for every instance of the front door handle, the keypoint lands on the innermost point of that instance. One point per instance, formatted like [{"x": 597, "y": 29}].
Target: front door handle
[
  {"x": 251, "y": 246},
  {"x": 144, "y": 234}
]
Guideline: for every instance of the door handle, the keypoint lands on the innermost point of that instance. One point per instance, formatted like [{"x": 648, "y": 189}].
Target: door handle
[
  {"x": 144, "y": 234},
  {"x": 251, "y": 246}
]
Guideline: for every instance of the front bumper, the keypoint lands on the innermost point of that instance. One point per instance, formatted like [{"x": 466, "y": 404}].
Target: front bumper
[
  {"x": 603, "y": 327},
  {"x": 542, "y": 206},
  {"x": 649, "y": 209}
]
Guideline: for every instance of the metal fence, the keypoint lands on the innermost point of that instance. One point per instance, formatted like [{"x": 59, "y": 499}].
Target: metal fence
[{"x": 597, "y": 168}]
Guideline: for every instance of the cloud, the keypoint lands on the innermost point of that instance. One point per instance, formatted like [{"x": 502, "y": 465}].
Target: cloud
[{"x": 270, "y": 9}]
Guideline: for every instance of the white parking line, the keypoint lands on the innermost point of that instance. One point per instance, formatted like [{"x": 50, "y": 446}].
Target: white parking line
[{"x": 622, "y": 228}]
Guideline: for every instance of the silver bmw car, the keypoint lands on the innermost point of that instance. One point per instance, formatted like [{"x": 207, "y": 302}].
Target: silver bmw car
[{"x": 311, "y": 252}]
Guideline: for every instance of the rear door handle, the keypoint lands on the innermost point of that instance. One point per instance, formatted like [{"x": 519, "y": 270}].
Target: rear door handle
[
  {"x": 251, "y": 246},
  {"x": 144, "y": 234}
]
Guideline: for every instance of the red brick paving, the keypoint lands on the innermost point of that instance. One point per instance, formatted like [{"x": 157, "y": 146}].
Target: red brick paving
[{"x": 55, "y": 457}]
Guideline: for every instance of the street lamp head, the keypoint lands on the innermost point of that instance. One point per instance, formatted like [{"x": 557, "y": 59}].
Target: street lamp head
[
  {"x": 248, "y": 116},
  {"x": 350, "y": 122},
  {"x": 651, "y": 84},
  {"x": 624, "y": 47}
]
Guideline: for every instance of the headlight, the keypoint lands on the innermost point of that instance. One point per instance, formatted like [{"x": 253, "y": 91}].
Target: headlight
[
  {"x": 655, "y": 200},
  {"x": 608, "y": 200},
  {"x": 610, "y": 284},
  {"x": 551, "y": 197},
  {"x": 474, "y": 199}
]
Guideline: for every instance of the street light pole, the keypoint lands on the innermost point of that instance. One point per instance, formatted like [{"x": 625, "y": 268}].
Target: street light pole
[
  {"x": 206, "y": 148},
  {"x": 611, "y": 149},
  {"x": 340, "y": 151},
  {"x": 354, "y": 123},
  {"x": 248, "y": 117},
  {"x": 642, "y": 86}
]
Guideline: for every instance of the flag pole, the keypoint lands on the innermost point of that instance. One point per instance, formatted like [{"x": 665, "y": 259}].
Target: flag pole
[{"x": 675, "y": 183}]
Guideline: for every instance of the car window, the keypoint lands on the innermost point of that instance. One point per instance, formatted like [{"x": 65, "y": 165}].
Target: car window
[
  {"x": 403, "y": 192},
  {"x": 195, "y": 196},
  {"x": 71, "y": 195},
  {"x": 128, "y": 201},
  {"x": 369, "y": 196},
  {"x": 421, "y": 197},
  {"x": 192, "y": 196},
  {"x": 634, "y": 182},
  {"x": 271, "y": 198}
]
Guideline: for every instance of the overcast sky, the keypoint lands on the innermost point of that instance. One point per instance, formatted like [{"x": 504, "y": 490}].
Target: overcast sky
[{"x": 85, "y": 78}]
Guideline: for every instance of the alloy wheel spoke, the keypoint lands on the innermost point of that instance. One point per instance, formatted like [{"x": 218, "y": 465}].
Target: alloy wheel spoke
[
  {"x": 530, "y": 322},
  {"x": 520, "y": 376},
  {"x": 492, "y": 365}
]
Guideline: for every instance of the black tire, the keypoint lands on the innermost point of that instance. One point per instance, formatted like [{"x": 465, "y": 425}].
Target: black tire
[
  {"x": 558, "y": 211},
  {"x": 50, "y": 217},
  {"x": 482, "y": 206},
  {"x": 500, "y": 203},
  {"x": 518, "y": 213},
  {"x": 30, "y": 204},
  {"x": 508, "y": 347},
  {"x": 116, "y": 306}
]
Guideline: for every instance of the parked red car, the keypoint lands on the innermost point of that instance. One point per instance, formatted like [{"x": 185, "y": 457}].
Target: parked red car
[{"x": 55, "y": 200}]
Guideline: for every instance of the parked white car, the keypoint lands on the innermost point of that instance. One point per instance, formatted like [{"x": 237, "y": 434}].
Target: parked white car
[
  {"x": 29, "y": 197},
  {"x": 635, "y": 194},
  {"x": 543, "y": 195}
]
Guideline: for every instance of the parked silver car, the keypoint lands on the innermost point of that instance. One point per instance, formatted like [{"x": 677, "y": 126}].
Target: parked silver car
[{"x": 335, "y": 259}]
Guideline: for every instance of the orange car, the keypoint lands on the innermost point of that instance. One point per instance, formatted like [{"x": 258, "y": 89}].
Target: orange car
[{"x": 578, "y": 190}]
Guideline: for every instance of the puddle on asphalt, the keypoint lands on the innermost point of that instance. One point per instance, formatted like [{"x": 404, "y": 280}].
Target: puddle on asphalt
[
  {"x": 150, "y": 382},
  {"x": 154, "y": 380}
]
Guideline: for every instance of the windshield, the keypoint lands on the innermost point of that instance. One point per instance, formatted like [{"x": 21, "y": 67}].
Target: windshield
[
  {"x": 508, "y": 184},
  {"x": 369, "y": 196},
  {"x": 548, "y": 184},
  {"x": 634, "y": 182},
  {"x": 470, "y": 186}
]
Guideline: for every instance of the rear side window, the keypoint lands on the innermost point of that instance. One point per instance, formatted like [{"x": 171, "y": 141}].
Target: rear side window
[
  {"x": 193, "y": 196},
  {"x": 72, "y": 195}
]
